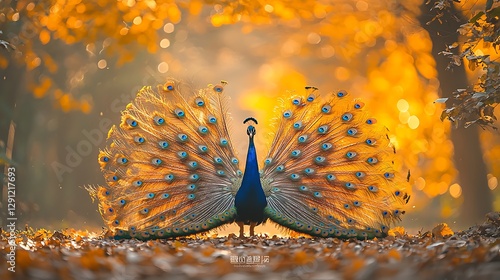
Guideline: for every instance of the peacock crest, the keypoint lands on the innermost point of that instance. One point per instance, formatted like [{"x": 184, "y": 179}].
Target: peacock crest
[{"x": 171, "y": 169}]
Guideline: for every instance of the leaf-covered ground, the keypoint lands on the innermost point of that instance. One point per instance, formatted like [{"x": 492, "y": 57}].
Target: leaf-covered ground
[{"x": 437, "y": 254}]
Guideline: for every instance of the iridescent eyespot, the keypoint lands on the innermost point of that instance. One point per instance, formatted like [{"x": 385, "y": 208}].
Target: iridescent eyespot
[
  {"x": 372, "y": 160},
  {"x": 168, "y": 86},
  {"x": 302, "y": 138},
  {"x": 139, "y": 139},
  {"x": 341, "y": 93},
  {"x": 349, "y": 185},
  {"x": 296, "y": 101},
  {"x": 323, "y": 129},
  {"x": 359, "y": 105},
  {"x": 311, "y": 98},
  {"x": 287, "y": 114},
  {"x": 223, "y": 142},
  {"x": 326, "y": 146},
  {"x": 132, "y": 123},
  {"x": 199, "y": 101},
  {"x": 371, "y": 121},
  {"x": 350, "y": 154},
  {"x": 122, "y": 160},
  {"x": 159, "y": 120},
  {"x": 319, "y": 160},
  {"x": 179, "y": 113},
  {"x": 297, "y": 125},
  {"x": 137, "y": 183},
  {"x": 104, "y": 159},
  {"x": 212, "y": 119},
  {"x": 202, "y": 148},
  {"x": 218, "y": 88},
  {"x": 193, "y": 164},
  {"x": 163, "y": 144},
  {"x": 203, "y": 129},
  {"x": 360, "y": 174},
  {"x": 309, "y": 171},
  {"x": 352, "y": 131},
  {"x": 182, "y": 137},
  {"x": 156, "y": 161},
  {"x": 331, "y": 177},
  {"x": 217, "y": 160},
  {"x": 346, "y": 117},
  {"x": 326, "y": 109},
  {"x": 169, "y": 177},
  {"x": 295, "y": 153},
  {"x": 370, "y": 141}
]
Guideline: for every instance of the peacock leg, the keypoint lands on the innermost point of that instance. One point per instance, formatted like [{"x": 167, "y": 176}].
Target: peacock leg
[
  {"x": 240, "y": 224},
  {"x": 252, "y": 226}
]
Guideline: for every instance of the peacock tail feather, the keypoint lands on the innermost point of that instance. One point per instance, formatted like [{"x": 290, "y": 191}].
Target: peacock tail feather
[
  {"x": 171, "y": 169},
  {"x": 329, "y": 171}
]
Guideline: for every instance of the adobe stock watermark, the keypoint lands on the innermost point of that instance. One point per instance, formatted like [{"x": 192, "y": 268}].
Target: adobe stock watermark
[
  {"x": 11, "y": 218},
  {"x": 95, "y": 137}
]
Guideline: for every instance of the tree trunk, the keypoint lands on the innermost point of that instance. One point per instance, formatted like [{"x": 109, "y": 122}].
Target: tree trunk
[
  {"x": 468, "y": 156},
  {"x": 9, "y": 84}
]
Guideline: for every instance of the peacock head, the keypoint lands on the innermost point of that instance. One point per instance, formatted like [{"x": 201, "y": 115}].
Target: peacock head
[{"x": 250, "y": 129}]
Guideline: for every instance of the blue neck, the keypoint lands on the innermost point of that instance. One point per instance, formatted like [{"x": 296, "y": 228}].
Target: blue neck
[
  {"x": 250, "y": 199},
  {"x": 251, "y": 167}
]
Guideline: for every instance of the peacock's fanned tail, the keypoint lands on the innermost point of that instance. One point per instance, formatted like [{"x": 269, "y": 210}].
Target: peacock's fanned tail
[
  {"x": 329, "y": 171},
  {"x": 170, "y": 167}
]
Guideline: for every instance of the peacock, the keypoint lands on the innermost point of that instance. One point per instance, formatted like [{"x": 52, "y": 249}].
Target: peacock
[{"x": 171, "y": 169}]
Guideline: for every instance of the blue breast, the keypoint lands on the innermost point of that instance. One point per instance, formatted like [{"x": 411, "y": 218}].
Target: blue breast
[{"x": 250, "y": 199}]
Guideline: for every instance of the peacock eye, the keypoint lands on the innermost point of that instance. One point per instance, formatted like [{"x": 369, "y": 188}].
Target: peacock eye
[
  {"x": 359, "y": 105},
  {"x": 341, "y": 93},
  {"x": 199, "y": 101},
  {"x": 212, "y": 119},
  {"x": 218, "y": 88},
  {"x": 168, "y": 86},
  {"x": 347, "y": 117},
  {"x": 179, "y": 113},
  {"x": 326, "y": 109},
  {"x": 287, "y": 114}
]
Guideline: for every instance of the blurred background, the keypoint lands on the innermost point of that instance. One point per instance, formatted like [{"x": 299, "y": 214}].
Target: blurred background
[{"x": 67, "y": 68}]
